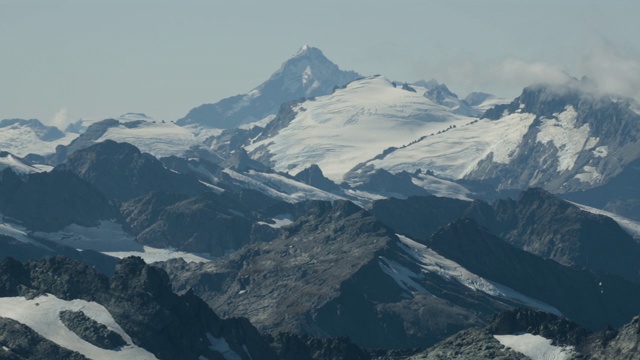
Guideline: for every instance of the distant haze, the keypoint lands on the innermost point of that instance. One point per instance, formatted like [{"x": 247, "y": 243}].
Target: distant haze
[{"x": 66, "y": 60}]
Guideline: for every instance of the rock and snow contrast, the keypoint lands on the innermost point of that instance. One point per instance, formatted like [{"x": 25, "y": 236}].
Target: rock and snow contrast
[
  {"x": 307, "y": 74},
  {"x": 352, "y": 125},
  {"x": 535, "y": 347},
  {"x": 327, "y": 215},
  {"x": 23, "y": 137},
  {"x": 42, "y": 314}
]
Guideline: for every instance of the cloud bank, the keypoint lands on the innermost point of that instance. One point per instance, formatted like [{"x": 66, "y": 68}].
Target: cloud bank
[{"x": 610, "y": 72}]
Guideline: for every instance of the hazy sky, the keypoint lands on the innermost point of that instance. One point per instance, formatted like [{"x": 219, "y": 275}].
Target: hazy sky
[{"x": 62, "y": 60}]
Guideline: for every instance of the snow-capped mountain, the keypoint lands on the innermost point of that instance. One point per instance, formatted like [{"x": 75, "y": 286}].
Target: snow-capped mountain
[
  {"x": 307, "y": 74},
  {"x": 309, "y": 216},
  {"x": 562, "y": 140},
  {"x": 81, "y": 125},
  {"x": 440, "y": 94},
  {"x": 19, "y": 165},
  {"x": 22, "y": 137},
  {"x": 576, "y": 140},
  {"x": 160, "y": 139},
  {"x": 352, "y": 125}
]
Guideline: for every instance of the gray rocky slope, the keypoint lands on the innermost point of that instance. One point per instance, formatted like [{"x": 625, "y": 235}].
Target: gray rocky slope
[
  {"x": 536, "y": 221},
  {"x": 337, "y": 271},
  {"x": 140, "y": 300}
]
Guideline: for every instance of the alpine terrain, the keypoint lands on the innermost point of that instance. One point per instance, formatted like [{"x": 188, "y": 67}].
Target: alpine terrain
[{"x": 328, "y": 215}]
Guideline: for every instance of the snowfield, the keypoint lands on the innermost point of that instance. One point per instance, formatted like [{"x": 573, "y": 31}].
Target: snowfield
[
  {"x": 22, "y": 140},
  {"x": 280, "y": 187},
  {"x": 536, "y": 347},
  {"x": 42, "y": 315},
  {"x": 456, "y": 152},
  {"x": 567, "y": 137},
  {"x": 354, "y": 124},
  {"x": 110, "y": 239},
  {"x": 157, "y": 139},
  {"x": 10, "y": 161}
]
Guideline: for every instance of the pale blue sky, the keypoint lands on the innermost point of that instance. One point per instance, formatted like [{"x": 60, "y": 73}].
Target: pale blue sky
[{"x": 98, "y": 59}]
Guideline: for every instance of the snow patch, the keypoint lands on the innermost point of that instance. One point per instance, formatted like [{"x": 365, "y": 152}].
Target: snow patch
[
  {"x": 150, "y": 255},
  {"x": 431, "y": 261},
  {"x": 42, "y": 315},
  {"x": 110, "y": 239},
  {"x": 402, "y": 276},
  {"x": 590, "y": 175},
  {"x": 260, "y": 123},
  {"x": 19, "y": 233},
  {"x": 279, "y": 221},
  {"x": 570, "y": 140},
  {"x": 441, "y": 187},
  {"x": 107, "y": 236},
  {"x": 601, "y": 151},
  {"x": 220, "y": 345},
  {"x": 535, "y": 347},
  {"x": 18, "y": 166},
  {"x": 280, "y": 187}
]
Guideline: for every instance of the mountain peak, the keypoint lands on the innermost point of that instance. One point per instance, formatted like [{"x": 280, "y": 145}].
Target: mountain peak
[
  {"x": 306, "y": 50},
  {"x": 305, "y": 75}
]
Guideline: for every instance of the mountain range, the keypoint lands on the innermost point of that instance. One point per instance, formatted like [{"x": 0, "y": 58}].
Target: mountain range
[{"x": 327, "y": 215}]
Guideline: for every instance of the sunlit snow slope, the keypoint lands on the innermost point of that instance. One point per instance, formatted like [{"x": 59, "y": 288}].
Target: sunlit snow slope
[
  {"x": 42, "y": 315},
  {"x": 354, "y": 124},
  {"x": 157, "y": 138}
]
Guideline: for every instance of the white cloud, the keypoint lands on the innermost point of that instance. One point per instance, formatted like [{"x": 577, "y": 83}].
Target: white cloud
[
  {"x": 612, "y": 72},
  {"x": 506, "y": 78},
  {"x": 61, "y": 119},
  {"x": 515, "y": 71}
]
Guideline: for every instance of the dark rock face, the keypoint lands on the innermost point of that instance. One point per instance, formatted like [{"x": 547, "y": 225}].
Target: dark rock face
[
  {"x": 85, "y": 140},
  {"x": 418, "y": 217},
  {"x": 610, "y": 343},
  {"x": 620, "y": 195},
  {"x": 537, "y": 222},
  {"x": 293, "y": 347},
  {"x": 51, "y": 201},
  {"x": 40, "y": 248},
  {"x": 20, "y": 342},
  {"x": 90, "y": 330},
  {"x": 207, "y": 223},
  {"x": 331, "y": 273},
  {"x": 611, "y": 124},
  {"x": 140, "y": 299},
  {"x": 121, "y": 172},
  {"x": 472, "y": 344},
  {"x": 66, "y": 279},
  {"x": 261, "y": 268},
  {"x": 558, "y": 329},
  {"x": 9, "y": 184},
  {"x": 623, "y": 343},
  {"x": 395, "y": 185},
  {"x": 547, "y": 226},
  {"x": 593, "y": 300},
  {"x": 313, "y": 176}
]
